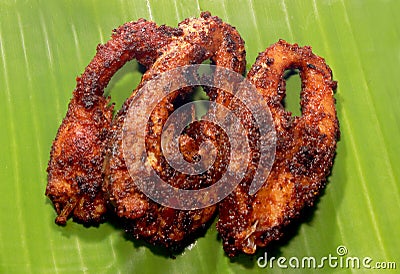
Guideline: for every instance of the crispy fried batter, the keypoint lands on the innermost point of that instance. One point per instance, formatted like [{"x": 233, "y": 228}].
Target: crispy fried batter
[
  {"x": 203, "y": 38},
  {"x": 304, "y": 153},
  {"x": 87, "y": 169},
  {"x": 75, "y": 168}
]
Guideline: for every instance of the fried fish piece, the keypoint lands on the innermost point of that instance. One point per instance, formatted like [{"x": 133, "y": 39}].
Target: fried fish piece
[
  {"x": 75, "y": 168},
  {"x": 202, "y": 38},
  {"x": 305, "y": 151}
]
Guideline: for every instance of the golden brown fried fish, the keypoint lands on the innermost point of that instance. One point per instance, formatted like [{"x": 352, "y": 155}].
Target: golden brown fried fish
[
  {"x": 75, "y": 169},
  {"x": 202, "y": 38},
  {"x": 304, "y": 151}
]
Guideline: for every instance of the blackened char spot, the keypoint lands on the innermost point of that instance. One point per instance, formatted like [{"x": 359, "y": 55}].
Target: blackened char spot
[
  {"x": 311, "y": 66},
  {"x": 86, "y": 186},
  {"x": 88, "y": 101}
]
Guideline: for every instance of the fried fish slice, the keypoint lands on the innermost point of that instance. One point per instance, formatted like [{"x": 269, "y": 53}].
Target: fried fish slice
[
  {"x": 75, "y": 169},
  {"x": 203, "y": 38},
  {"x": 305, "y": 150}
]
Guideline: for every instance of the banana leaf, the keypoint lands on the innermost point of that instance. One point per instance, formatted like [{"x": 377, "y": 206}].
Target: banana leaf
[{"x": 45, "y": 45}]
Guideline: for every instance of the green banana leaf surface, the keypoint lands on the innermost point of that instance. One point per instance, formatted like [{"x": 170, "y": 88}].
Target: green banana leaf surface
[{"x": 45, "y": 45}]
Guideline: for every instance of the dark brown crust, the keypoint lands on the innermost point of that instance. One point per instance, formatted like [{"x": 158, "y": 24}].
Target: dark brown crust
[
  {"x": 304, "y": 153},
  {"x": 87, "y": 168},
  {"x": 75, "y": 169},
  {"x": 203, "y": 38}
]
